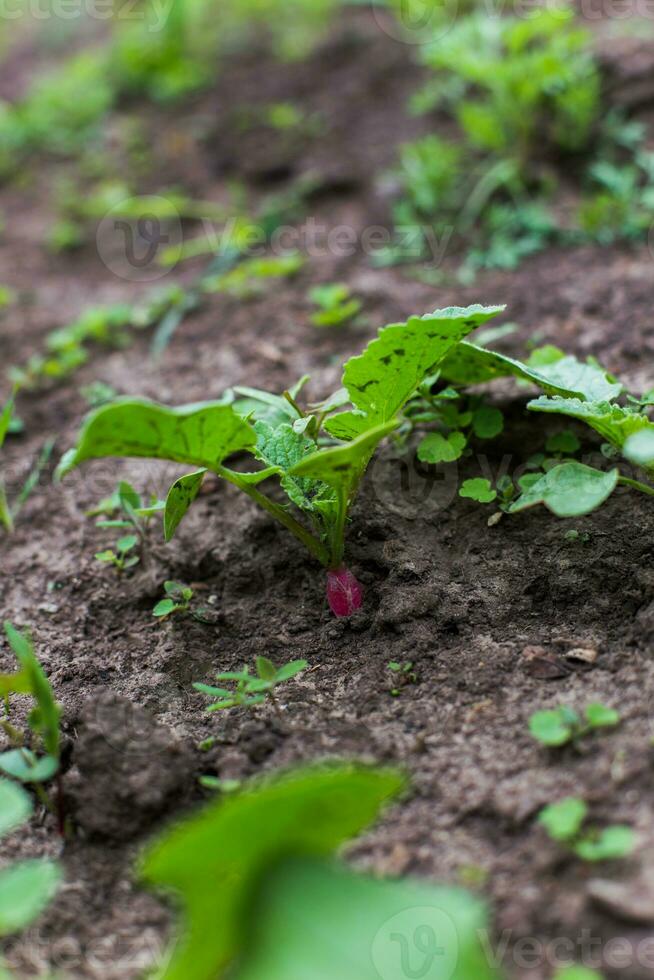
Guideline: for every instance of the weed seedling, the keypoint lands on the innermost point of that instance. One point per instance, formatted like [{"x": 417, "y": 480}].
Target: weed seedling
[
  {"x": 34, "y": 756},
  {"x": 336, "y": 305},
  {"x": 125, "y": 510},
  {"x": 564, "y": 823},
  {"x": 178, "y": 600},
  {"x": 319, "y": 456},
  {"x": 403, "y": 674},
  {"x": 251, "y": 689},
  {"x": 123, "y": 557},
  {"x": 564, "y": 725}
]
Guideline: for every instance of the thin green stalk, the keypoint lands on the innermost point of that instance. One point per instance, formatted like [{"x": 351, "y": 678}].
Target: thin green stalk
[
  {"x": 6, "y": 519},
  {"x": 636, "y": 485},
  {"x": 337, "y": 548},
  {"x": 313, "y": 545}
]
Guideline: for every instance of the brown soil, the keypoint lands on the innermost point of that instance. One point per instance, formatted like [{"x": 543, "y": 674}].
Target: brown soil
[{"x": 486, "y": 615}]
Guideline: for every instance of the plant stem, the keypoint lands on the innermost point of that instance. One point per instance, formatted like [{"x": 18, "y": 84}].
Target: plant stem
[
  {"x": 636, "y": 485},
  {"x": 311, "y": 543},
  {"x": 338, "y": 532}
]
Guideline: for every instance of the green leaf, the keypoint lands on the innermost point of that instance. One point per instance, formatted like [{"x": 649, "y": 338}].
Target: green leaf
[
  {"x": 179, "y": 498},
  {"x": 290, "y": 670},
  {"x": 25, "y": 890},
  {"x": 284, "y": 448},
  {"x": 24, "y": 765},
  {"x": 469, "y": 364},
  {"x": 563, "y": 820},
  {"x": 569, "y": 490},
  {"x": 126, "y": 543},
  {"x": 263, "y": 406},
  {"x": 342, "y": 466},
  {"x": 106, "y": 556},
  {"x": 478, "y": 489},
  {"x": 46, "y": 722},
  {"x": 164, "y": 607},
  {"x": 599, "y": 716},
  {"x": 550, "y": 727},
  {"x": 201, "y": 435},
  {"x": 639, "y": 448},
  {"x": 213, "y": 859},
  {"x": 563, "y": 442},
  {"x": 15, "y": 806},
  {"x": 6, "y": 517},
  {"x": 382, "y": 379},
  {"x": 614, "y": 424},
  {"x": 613, "y": 842},
  {"x": 266, "y": 669},
  {"x": 437, "y": 448},
  {"x": 487, "y": 422},
  {"x": 336, "y": 924},
  {"x": 5, "y": 420}
]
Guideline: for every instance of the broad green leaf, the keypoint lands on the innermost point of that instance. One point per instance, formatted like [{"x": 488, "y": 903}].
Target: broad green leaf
[
  {"x": 639, "y": 448},
  {"x": 599, "y": 716},
  {"x": 487, "y": 422},
  {"x": 202, "y": 435},
  {"x": 437, "y": 448},
  {"x": 290, "y": 670},
  {"x": 613, "y": 842},
  {"x": 179, "y": 498},
  {"x": 164, "y": 607},
  {"x": 569, "y": 490},
  {"x": 563, "y": 442},
  {"x": 563, "y": 820},
  {"x": 478, "y": 489},
  {"x": 24, "y": 765},
  {"x": 550, "y": 727},
  {"x": 25, "y": 890},
  {"x": 15, "y": 806},
  {"x": 315, "y": 920},
  {"x": 266, "y": 669},
  {"x": 212, "y": 860},
  {"x": 565, "y": 376},
  {"x": 283, "y": 447},
  {"x": 18, "y": 683},
  {"x": 342, "y": 466},
  {"x": 263, "y": 406},
  {"x": 382, "y": 379},
  {"x": 615, "y": 424}
]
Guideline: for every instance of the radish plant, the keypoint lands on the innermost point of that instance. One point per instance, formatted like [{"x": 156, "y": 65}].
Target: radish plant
[{"x": 319, "y": 456}]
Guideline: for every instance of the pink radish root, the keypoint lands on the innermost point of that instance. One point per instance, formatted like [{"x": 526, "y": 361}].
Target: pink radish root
[{"x": 344, "y": 593}]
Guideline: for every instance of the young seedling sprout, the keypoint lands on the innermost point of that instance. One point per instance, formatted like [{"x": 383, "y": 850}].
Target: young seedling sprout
[
  {"x": 178, "y": 599},
  {"x": 564, "y": 822},
  {"x": 319, "y": 456},
  {"x": 251, "y": 689},
  {"x": 564, "y": 725}
]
